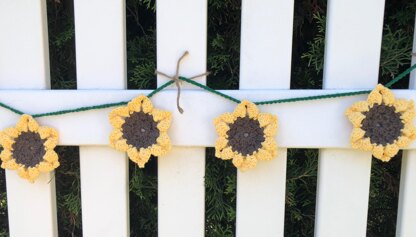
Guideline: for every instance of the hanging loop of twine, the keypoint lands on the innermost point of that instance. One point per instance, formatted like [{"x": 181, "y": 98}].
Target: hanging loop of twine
[{"x": 177, "y": 81}]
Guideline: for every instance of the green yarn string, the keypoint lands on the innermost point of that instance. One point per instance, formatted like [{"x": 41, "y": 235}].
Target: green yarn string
[
  {"x": 233, "y": 99},
  {"x": 16, "y": 111},
  {"x": 401, "y": 76}
]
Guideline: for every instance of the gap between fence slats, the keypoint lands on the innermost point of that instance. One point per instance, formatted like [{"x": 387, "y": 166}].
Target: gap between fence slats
[{"x": 406, "y": 216}]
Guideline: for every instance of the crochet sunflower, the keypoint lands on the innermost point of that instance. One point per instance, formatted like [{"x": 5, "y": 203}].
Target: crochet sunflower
[
  {"x": 246, "y": 136},
  {"x": 140, "y": 130},
  {"x": 29, "y": 148},
  {"x": 382, "y": 124}
]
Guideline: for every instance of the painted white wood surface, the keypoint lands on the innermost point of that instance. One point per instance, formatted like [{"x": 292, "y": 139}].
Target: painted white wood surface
[
  {"x": 294, "y": 130},
  {"x": 24, "y": 64},
  {"x": 352, "y": 55},
  {"x": 406, "y": 216},
  {"x": 266, "y": 47},
  {"x": 101, "y": 64},
  {"x": 181, "y": 26}
]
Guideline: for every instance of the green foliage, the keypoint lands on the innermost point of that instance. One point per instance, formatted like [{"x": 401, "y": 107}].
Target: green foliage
[
  {"x": 61, "y": 44},
  {"x": 315, "y": 53},
  {"x": 4, "y": 224},
  {"x": 224, "y": 43},
  {"x": 395, "y": 51},
  {"x": 220, "y": 189},
  {"x": 384, "y": 193},
  {"x": 143, "y": 199},
  {"x": 68, "y": 192},
  {"x": 300, "y": 192}
]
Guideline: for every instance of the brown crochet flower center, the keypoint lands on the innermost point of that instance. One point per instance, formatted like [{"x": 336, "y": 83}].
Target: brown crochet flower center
[
  {"x": 28, "y": 149},
  {"x": 140, "y": 130},
  {"x": 382, "y": 124},
  {"x": 245, "y": 136}
]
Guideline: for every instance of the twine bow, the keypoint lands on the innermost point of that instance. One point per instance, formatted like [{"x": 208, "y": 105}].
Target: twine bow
[{"x": 177, "y": 81}]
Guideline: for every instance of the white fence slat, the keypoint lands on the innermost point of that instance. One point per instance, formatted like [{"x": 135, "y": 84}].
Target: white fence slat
[
  {"x": 25, "y": 64},
  {"x": 266, "y": 47},
  {"x": 101, "y": 64},
  {"x": 406, "y": 216},
  {"x": 293, "y": 131},
  {"x": 181, "y": 26},
  {"x": 352, "y": 55},
  {"x": 181, "y": 189}
]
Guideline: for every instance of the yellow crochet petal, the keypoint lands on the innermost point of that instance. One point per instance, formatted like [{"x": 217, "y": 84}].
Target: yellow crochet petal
[
  {"x": 164, "y": 125},
  {"x": 225, "y": 154},
  {"x": 6, "y": 142},
  {"x": 157, "y": 150},
  {"x": 45, "y": 167},
  {"x": 159, "y": 115},
  {"x": 23, "y": 173},
  {"x": 55, "y": 164},
  {"x": 22, "y": 124},
  {"x": 10, "y": 164},
  {"x": 269, "y": 144},
  {"x": 121, "y": 145},
  {"x": 270, "y": 130},
  {"x": 362, "y": 144},
  {"x": 45, "y": 132},
  {"x": 163, "y": 139},
  {"x": 375, "y": 96},
  {"x": 409, "y": 131},
  {"x": 119, "y": 112},
  {"x": 356, "y": 118},
  {"x": 238, "y": 161},
  {"x": 227, "y": 118},
  {"x": 402, "y": 105},
  {"x": 6, "y": 155},
  {"x": 266, "y": 119},
  {"x": 360, "y": 106},
  {"x": 11, "y": 132},
  {"x": 264, "y": 155},
  {"x": 50, "y": 156},
  {"x": 252, "y": 110},
  {"x": 33, "y": 174},
  {"x": 50, "y": 143},
  {"x": 241, "y": 109},
  {"x": 391, "y": 150},
  {"x": 144, "y": 154},
  {"x": 221, "y": 143},
  {"x": 117, "y": 122},
  {"x": 133, "y": 154},
  {"x": 248, "y": 163},
  {"x": 32, "y": 125},
  {"x": 147, "y": 105},
  {"x": 135, "y": 104},
  {"x": 115, "y": 135},
  {"x": 378, "y": 151},
  {"x": 357, "y": 134},
  {"x": 403, "y": 142},
  {"x": 222, "y": 129},
  {"x": 408, "y": 116},
  {"x": 388, "y": 96}
]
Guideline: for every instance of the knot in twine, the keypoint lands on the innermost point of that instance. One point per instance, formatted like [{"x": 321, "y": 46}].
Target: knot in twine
[{"x": 177, "y": 81}]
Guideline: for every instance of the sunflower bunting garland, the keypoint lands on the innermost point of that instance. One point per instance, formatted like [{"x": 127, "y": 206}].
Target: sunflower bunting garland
[
  {"x": 140, "y": 130},
  {"x": 246, "y": 136},
  {"x": 382, "y": 124},
  {"x": 29, "y": 148}
]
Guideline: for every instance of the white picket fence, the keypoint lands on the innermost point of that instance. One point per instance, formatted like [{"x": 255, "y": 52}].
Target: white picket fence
[{"x": 352, "y": 55}]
